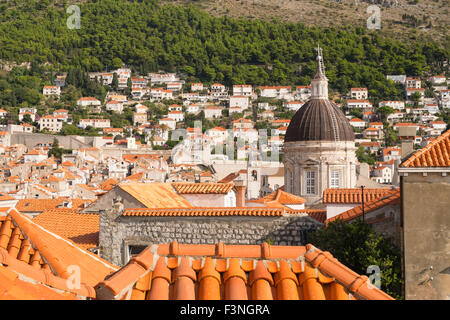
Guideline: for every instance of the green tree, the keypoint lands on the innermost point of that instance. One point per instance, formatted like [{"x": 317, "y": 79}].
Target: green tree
[
  {"x": 115, "y": 82},
  {"x": 358, "y": 246}
]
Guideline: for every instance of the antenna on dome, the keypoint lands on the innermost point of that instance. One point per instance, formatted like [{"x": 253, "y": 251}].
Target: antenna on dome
[{"x": 320, "y": 65}]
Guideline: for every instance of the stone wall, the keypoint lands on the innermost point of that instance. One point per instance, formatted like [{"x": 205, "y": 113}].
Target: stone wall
[
  {"x": 426, "y": 234},
  {"x": 68, "y": 142},
  {"x": 117, "y": 233}
]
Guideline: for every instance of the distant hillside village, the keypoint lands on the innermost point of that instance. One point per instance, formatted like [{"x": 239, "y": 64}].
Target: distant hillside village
[{"x": 165, "y": 144}]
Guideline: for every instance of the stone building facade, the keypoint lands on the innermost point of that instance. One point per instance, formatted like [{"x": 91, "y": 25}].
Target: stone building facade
[
  {"x": 122, "y": 236},
  {"x": 319, "y": 148}
]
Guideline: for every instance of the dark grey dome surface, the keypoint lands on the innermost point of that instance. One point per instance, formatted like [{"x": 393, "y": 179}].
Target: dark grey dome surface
[{"x": 319, "y": 119}]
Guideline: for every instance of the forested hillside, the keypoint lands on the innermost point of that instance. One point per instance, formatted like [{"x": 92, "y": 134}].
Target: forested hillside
[{"x": 150, "y": 37}]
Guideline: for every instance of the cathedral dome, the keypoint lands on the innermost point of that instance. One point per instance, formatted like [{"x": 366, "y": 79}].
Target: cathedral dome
[{"x": 319, "y": 119}]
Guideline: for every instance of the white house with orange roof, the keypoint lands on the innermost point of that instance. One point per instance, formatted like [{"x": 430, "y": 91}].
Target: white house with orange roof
[
  {"x": 217, "y": 134},
  {"x": 198, "y": 86},
  {"x": 51, "y": 91},
  {"x": 439, "y": 125},
  {"x": 242, "y": 102},
  {"x": 160, "y": 94},
  {"x": 359, "y": 93},
  {"x": 303, "y": 92},
  {"x": 139, "y": 118},
  {"x": 114, "y": 106},
  {"x": 175, "y": 107},
  {"x": 88, "y": 101},
  {"x": 372, "y": 133},
  {"x": 138, "y": 82},
  {"x": 162, "y": 77},
  {"x": 175, "y": 86},
  {"x": 444, "y": 94},
  {"x": 413, "y": 82},
  {"x": 35, "y": 156},
  {"x": 213, "y": 112},
  {"x": 281, "y": 122},
  {"x": 267, "y": 115},
  {"x": 242, "y": 90},
  {"x": 392, "y": 153},
  {"x": 378, "y": 125},
  {"x": 359, "y": 103},
  {"x": 438, "y": 79},
  {"x": 411, "y": 91},
  {"x": 395, "y": 104},
  {"x": 357, "y": 123},
  {"x": 293, "y": 105},
  {"x": 169, "y": 122},
  {"x": 242, "y": 124},
  {"x": 278, "y": 92},
  {"x": 27, "y": 128},
  {"x": 51, "y": 123},
  {"x": 95, "y": 123},
  {"x": 176, "y": 115},
  {"x": 405, "y": 124},
  {"x": 3, "y": 113},
  {"x": 113, "y": 131},
  {"x": 382, "y": 175},
  {"x": 193, "y": 108}
]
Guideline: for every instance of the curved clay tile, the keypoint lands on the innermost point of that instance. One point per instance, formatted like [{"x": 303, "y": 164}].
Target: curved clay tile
[
  {"x": 209, "y": 280},
  {"x": 184, "y": 278},
  {"x": 160, "y": 282},
  {"x": 312, "y": 289},
  {"x": 235, "y": 281},
  {"x": 261, "y": 283},
  {"x": 286, "y": 282}
]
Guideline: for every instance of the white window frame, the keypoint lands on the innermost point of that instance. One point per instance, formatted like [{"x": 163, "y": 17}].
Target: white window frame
[
  {"x": 310, "y": 182},
  {"x": 335, "y": 178}
]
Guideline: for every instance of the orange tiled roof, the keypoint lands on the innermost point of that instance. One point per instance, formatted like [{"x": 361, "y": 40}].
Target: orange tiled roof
[
  {"x": 352, "y": 195},
  {"x": 435, "y": 154},
  {"x": 155, "y": 195},
  {"x": 202, "y": 188},
  {"x": 60, "y": 253},
  {"x": 81, "y": 228},
  {"x": 236, "y": 272},
  {"x": 279, "y": 198},
  {"x": 211, "y": 212},
  {"x": 388, "y": 199}
]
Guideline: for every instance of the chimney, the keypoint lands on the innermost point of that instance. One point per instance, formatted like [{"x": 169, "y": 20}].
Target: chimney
[
  {"x": 240, "y": 193},
  {"x": 407, "y": 136}
]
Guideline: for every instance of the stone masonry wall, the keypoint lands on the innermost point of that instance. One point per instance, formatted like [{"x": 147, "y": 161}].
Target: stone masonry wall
[{"x": 117, "y": 234}]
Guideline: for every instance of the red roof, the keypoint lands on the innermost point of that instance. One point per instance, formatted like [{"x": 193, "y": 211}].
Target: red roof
[
  {"x": 236, "y": 272},
  {"x": 435, "y": 154},
  {"x": 352, "y": 195},
  {"x": 389, "y": 199}
]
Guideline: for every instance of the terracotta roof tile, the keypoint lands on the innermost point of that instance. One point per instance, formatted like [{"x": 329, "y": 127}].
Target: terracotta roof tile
[
  {"x": 202, "y": 188},
  {"x": 155, "y": 195},
  {"x": 211, "y": 212},
  {"x": 435, "y": 154},
  {"x": 280, "y": 198},
  {"x": 60, "y": 253},
  {"x": 82, "y": 229},
  {"x": 388, "y": 199},
  {"x": 352, "y": 195},
  {"x": 236, "y": 272}
]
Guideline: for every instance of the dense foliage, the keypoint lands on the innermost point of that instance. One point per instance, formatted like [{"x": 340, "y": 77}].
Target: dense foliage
[
  {"x": 149, "y": 37},
  {"x": 358, "y": 246}
]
